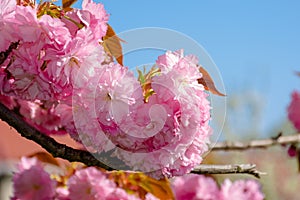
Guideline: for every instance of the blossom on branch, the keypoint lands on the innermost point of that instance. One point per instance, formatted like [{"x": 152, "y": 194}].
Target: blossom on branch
[{"x": 32, "y": 182}]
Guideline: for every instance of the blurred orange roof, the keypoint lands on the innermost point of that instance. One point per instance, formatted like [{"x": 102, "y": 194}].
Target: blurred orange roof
[{"x": 13, "y": 145}]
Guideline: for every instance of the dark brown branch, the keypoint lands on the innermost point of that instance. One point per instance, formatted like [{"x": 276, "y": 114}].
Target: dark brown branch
[
  {"x": 228, "y": 169},
  {"x": 256, "y": 144},
  {"x": 68, "y": 153},
  {"x": 48, "y": 143}
]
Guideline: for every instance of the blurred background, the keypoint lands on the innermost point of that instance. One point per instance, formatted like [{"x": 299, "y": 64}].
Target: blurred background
[{"x": 256, "y": 47}]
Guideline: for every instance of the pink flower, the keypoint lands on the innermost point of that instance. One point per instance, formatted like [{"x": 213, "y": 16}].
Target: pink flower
[
  {"x": 120, "y": 194},
  {"x": 93, "y": 16},
  {"x": 150, "y": 196},
  {"x": 8, "y": 101},
  {"x": 56, "y": 35},
  {"x": 241, "y": 189},
  {"x": 32, "y": 182},
  {"x": 294, "y": 110},
  {"x": 26, "y": 80},
  {"x": 7, "y": 10},
  {"x": 90, "y": 184},
  {"x": 6, "y": 7},
  {"x": 101, "y": 100},
  {"x": 64, "y": 66},
  {"x": 42, "y": 116},
  {"x": 168, "y": 134},
  {"x": 187, "y": 66},
  {"x": 97, "y": 20},
  {"x": 27, "y": 163},
  {"x": 26, "y": 24},
  {"x": 195, "y": 187},
  {"x": 62, "y": 193}
]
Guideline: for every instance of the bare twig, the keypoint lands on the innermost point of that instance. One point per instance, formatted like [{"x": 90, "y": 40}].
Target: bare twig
[
  {"x": 255, "y": 144},
  {"x": 228, "y": 169}
]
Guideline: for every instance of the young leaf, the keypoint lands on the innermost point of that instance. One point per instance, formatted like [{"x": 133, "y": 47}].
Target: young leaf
[
  {"x": 142, "y": 184},
  {"x": 48, "y": 8},
  {"x": 208, "y": 83},
  {"x": 30, "y": 3},
  {"x": 66, "y": 4},
  {"x": 112, "y": 44},
  {"x": 159, "y": 188},
  {"x": 45, "y": 158}
]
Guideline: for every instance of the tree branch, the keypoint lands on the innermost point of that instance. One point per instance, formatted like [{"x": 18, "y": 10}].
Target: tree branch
[
  {"x": 257, "y": 144},
  {"x": 48, "y": 143},
  {"x": 228, "y": 169},
  {"x": 68, "y": 153}
]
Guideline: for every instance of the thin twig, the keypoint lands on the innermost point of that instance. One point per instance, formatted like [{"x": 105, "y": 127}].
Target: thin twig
[
  {"x": 228, "y": 169},
  {"x": 256, "y": 144}
]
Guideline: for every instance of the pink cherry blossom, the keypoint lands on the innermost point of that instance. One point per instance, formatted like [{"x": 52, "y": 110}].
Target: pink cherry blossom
[
  {"x": 195, "y": 187},
  {"x": 90, "y": 184},
  {"x": 8, "y": 101},
  {"x": 150, "y": 196},
  {"x": 26, "y": 82},
  {"x": 7, "y": 10},
  {"x": 42, "y": 116},
  {"x": 62, "y": 193},
  {"x": 27, "y": 163},
  {"x": 32, "y": 182},
  {"x": 92, "y": 15},
  {"x": 294, "y": 110},
  {"x": 98, "y": 19},
  {"x": 120, "y": 194},
  {"x": 26, "y": 24},
  {"x": 241, "y": 189},
  {"x": 7, "y": 7},
  {"x": 174, "y": 142}
]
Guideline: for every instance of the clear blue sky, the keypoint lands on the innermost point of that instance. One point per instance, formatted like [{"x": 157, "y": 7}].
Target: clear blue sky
[{"x": 255, "y": 44}]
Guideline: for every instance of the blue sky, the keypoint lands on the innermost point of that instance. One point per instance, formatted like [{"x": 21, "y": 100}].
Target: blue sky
[{"x": 255, "y": 44}]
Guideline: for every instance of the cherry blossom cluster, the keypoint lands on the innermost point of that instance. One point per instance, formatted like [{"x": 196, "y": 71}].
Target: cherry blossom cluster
[
  {"x": 32, "y": 182},
  {"x": 197, "y": 187},
  {"x": 58, "y": 76}
]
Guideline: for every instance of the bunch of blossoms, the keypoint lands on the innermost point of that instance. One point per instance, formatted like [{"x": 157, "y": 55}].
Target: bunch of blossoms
[
  {"x": 198, "y": 187},
  {"x": 60, "y": 79},
  {"x": 163, "y": 134},
  {"x": 32, "y": 182}
]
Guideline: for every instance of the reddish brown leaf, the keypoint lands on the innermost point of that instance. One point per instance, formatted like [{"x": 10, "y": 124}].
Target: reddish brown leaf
[
  {"x": 298, "y": 73},
  {"x": 208, "y": 83},
  {"x": 66, "y": 4},
  {"x": 112, "y": 44},
  {"x": 159, "y": 188},
  {"x": 30, "y": 3},
  {"x": 142, "y": 184},
  {"x": 45, "y": 157}
]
